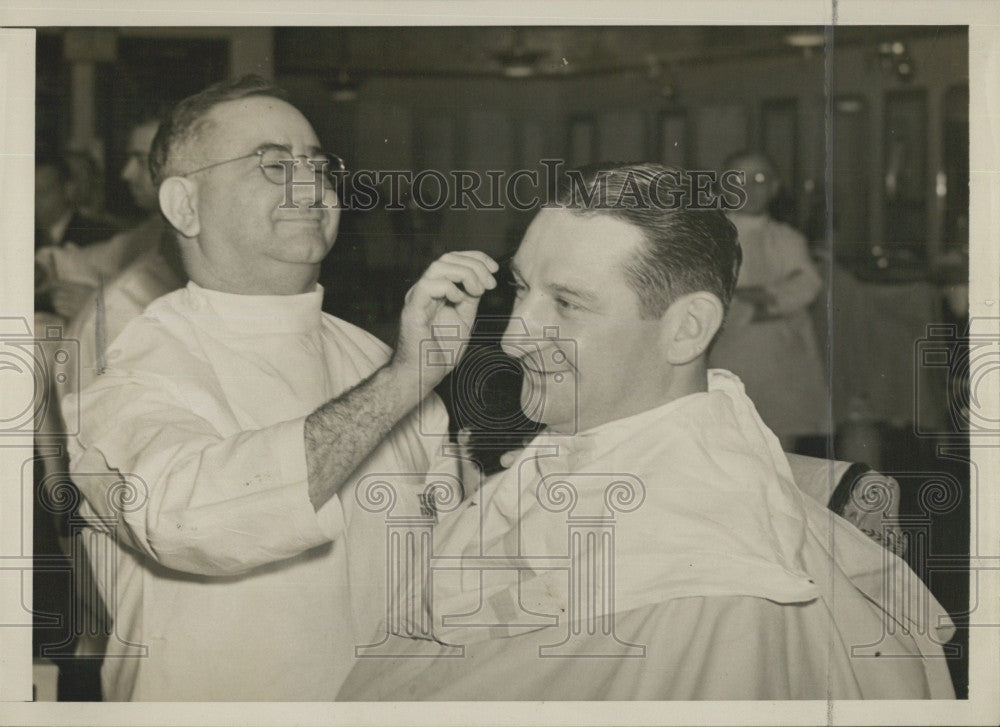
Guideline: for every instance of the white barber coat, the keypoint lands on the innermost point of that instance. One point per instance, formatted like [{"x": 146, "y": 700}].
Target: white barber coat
[
  {"x": 224, "y": 582},
  {"x": 727, "y": 583}
]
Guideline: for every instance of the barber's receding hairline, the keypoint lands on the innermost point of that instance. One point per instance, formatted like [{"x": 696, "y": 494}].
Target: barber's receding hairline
[
  {"x": 192, "y": 148},
  {"x": 187, "y": 121},
  {"x": 184, "y": 154}
]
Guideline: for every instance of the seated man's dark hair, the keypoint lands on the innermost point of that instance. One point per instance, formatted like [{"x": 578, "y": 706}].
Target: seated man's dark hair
[{"x": 688, "y": 249}]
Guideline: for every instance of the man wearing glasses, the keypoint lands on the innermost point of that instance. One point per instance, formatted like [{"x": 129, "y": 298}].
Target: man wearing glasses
[{"x": 217, "y": 450}]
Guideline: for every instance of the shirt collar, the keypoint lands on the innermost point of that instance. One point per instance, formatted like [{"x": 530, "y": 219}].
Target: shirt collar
[
  {"x": 264, "y": 314},
  {"x": 598, "y": 441}
]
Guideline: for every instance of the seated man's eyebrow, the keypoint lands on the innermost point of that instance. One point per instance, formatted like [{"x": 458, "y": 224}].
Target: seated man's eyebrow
[{"x": 582, "y": 294}]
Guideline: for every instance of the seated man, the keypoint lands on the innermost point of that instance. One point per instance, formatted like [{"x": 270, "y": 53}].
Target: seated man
[{"x": 653, "y": 532}]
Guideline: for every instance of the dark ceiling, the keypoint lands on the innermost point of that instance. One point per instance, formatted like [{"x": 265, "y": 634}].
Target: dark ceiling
[{"x": 553, "y": 50}]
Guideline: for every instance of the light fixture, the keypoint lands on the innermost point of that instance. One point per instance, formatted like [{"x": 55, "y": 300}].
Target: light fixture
[
  {"x": 518, "y": 69},
  {"x": 343, "y": 88},
  {"x": 848, "y": 105},
  {"x": 519, "y": 61},
  {"x": 805, "y": 39},
  {"x": 894, "y": 57}
]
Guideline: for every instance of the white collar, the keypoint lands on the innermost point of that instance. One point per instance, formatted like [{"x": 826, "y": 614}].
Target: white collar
[
  {"x": 598, "y": 441},
  {"x": 264, "y": 314}
]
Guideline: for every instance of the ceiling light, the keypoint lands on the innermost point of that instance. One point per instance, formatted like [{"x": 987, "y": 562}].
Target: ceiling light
[
  {"x": 518, "y": 70},
  {"x": 805, "y": 39}
]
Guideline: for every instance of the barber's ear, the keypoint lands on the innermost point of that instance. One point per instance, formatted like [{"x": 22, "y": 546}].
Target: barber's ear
[
  {"x": 179, "y": 203},
  {"x": 690, "y": 324}
]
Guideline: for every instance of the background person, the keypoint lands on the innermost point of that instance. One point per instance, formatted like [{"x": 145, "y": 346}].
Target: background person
[
  {"x": 142, "y": 263},
  {"x": 768, "y": 338},
  {"x": 61, "y": 230}
]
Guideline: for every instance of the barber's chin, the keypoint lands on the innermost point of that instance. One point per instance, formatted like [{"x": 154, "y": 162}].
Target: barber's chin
[{"x": 305, "y": 249}]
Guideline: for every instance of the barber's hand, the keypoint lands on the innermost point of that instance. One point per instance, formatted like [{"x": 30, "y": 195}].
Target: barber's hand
[
  {"x": 69, "y": 298},
  {"x": 440, "y": 309}
]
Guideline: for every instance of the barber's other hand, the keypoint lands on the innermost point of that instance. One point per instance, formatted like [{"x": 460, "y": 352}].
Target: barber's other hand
[{"x": 440, "y": 309}]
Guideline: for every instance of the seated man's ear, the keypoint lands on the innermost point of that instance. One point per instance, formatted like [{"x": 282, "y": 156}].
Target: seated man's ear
[
  {"x": 179, "y": 203},
  {"x": 689, "y": 325}
]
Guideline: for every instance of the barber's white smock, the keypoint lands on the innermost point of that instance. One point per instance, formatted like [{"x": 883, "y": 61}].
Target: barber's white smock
[
  {"x": 226, "y": 585},
  {"x": 727, "y": 583}
]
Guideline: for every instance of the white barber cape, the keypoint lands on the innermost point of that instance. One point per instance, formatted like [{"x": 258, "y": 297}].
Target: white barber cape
[
  {"x": 727, "y": 583},
  {"x": 224, "y": 583}
]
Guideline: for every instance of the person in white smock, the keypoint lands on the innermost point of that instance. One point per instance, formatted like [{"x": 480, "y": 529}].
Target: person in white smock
[
  {"x": 768, "y": 338},
  {"x": 218, "y": 452}
]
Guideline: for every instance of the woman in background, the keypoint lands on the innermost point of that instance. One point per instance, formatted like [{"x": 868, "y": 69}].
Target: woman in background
[{"x": 768, "y": 338}]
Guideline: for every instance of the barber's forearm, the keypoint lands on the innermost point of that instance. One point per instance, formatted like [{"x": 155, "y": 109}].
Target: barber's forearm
[{"x": 340, "y": 434}]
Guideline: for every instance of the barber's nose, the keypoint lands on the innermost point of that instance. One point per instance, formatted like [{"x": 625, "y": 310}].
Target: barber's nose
[{"x": 310, "y": 186}]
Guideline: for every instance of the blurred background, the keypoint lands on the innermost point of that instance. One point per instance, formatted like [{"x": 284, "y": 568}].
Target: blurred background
[{"x": 868, "y": 128}]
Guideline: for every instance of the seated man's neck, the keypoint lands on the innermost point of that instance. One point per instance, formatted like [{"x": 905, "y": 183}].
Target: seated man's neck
[{"x": 678, "y": 382}]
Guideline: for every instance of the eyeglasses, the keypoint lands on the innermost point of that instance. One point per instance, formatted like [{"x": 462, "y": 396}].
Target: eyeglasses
[{"x": 276, "y": 164}]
